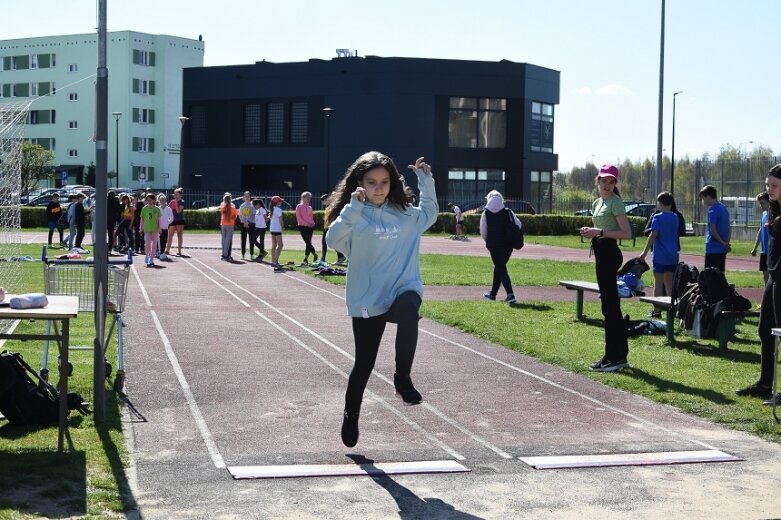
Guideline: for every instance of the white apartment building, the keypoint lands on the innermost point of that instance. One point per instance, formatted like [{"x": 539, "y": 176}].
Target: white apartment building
[{"x": 57, "y": 73}]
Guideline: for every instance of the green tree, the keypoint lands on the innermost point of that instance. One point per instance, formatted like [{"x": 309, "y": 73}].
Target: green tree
[{"x": 37, "y": 164}]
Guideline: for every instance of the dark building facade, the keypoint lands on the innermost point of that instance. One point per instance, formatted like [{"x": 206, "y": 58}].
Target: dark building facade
[{"x": 298, "y": 126}]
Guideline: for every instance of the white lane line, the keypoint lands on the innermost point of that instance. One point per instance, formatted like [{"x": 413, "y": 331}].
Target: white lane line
[
  {"x": 547, "y": 381},
  {"x": 463, "y": 429},
  {"x": 594, "y": 400},
  {"x": 453, "y": 453},
  {"x": 141, "y": 286},
  {"x": 211, "y": 446},
  {"x": 206, "y": 435}
]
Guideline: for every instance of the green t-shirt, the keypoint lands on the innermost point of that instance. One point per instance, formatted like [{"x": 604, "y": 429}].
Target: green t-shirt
[
  {"x": 150, "y": 216},
  {"x": 605, "y": 212}
]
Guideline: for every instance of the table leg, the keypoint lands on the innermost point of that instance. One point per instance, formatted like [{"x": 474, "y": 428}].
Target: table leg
[
  {"x": 670, "y": 324},
  {"x": 64, "y": 373},
  {"x": 579, "y": 305}
]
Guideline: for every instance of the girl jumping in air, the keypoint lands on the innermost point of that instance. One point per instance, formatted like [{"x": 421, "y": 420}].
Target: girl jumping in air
[{"x": 372, "y": 221}]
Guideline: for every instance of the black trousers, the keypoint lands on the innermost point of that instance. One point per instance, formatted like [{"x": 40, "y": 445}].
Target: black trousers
[
  {"x": 769, "y": 317},
  {"x": 609, "y": 259},
  {"x": 306, "y": 234},
  {"x": 500, "y": 255},
  {"x": 247, "y": 234},
  {"x": 368, "y": 334},
  {"x": 259, "y": 238},
  {"x": 717, "y": 260}
]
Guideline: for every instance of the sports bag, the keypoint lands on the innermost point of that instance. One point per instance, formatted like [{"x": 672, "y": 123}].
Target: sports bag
[
  {"x": 24, "y": 402},
  {"x": 513, "y": 234}
]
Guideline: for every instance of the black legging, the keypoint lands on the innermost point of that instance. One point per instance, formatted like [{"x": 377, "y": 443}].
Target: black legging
[
  {"x": 500, "y": 255},
  {"x": 769, "y": 317},
  {"x": 368, "y": 334},
  {"x": 609, "y": 259},
  {"x": 306, "y": 234}
]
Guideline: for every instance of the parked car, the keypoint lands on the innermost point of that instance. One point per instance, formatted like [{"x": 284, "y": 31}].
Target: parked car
[
  {"x": 46, "y": 198},
  {"x": 643, "y": 210}
]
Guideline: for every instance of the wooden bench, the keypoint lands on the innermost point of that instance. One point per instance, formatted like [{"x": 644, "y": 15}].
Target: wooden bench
[
  {"x": 725, "y": 330},
  {"x": 580, "y": 287}
]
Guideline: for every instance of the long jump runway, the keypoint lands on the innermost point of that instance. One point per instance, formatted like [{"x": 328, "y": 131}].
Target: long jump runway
[{"x": 231, "y": 366}]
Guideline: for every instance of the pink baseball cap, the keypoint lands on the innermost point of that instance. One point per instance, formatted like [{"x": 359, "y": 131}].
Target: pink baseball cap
[{"x": 608, "y": 170}]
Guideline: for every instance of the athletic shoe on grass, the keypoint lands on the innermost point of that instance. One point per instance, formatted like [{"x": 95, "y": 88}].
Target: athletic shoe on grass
[
  {"x": 489, "y": 296},
  {"x": 756, "y": 390},
  {"x": 510, "y": 298},
  {"x": 605, "y": 365}
]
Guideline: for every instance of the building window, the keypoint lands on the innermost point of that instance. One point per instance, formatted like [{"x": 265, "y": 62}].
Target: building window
[
  {"x": 471, "y": 184},
  {"x": 145, "y": 116},
  {"x": 72, "y": 125},
  {"x": 541, "y": 130},
  {"x": 34, "y": 89},
  {"x": 33, "y": 117},
  {"x": 146, "y": 58},
  {"x": 72, "y": 152},
  {"x": 73, "y": 67},
  {"x": 299, "y": 122},
  {"x": 197, "y": 124},
  {"x": 14, "y": 63},
  {"x": 477, "y": 122},
  {"x": 143, "y": 173},
  {"x": 540, "y": 190},
  {"x": 253, "y": 124},
  {"x": 73, "y": 96},
  {"x": 33, "y": 61},
  {"x": 275, "y": 123},
  {"x": 143, "y": 144},
  {"x": 143, "y": 86},
  {"x": 21, "y": 90}
]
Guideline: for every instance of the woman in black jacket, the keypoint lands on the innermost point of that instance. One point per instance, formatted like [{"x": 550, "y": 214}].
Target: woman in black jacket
[{"x": 493, "y": 229}]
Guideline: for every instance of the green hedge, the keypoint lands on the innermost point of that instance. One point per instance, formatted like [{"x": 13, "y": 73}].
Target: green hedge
[{"x": 446, "y": 222}]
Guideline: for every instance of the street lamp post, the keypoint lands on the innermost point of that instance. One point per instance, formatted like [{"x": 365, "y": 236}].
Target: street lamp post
[
  {"x": 182, "y": 120},
  {"x": 117, "y": 115},
  {"x": 672, "y": 153},
  {"x": 327, "y": 111}
]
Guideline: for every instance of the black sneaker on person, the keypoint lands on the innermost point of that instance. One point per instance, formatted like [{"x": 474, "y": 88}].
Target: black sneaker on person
[
  {"x": 350, "y": 429},
  {"x": 605, "y": 365},
  {"x": 756, "y": 390},
  {"x": 406, "y": 390}
]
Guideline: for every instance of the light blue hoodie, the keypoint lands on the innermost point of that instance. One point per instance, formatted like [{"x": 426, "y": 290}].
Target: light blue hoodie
[{"x": 383, "y": 245}]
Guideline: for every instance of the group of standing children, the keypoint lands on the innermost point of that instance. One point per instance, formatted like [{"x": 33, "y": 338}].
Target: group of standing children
[
  {"x": 74, "y": 218},
  {"x": 253, "y": 220}
]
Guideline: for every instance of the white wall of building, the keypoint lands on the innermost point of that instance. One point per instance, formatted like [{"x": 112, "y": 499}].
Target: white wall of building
[{"x": 73, "y": 75}]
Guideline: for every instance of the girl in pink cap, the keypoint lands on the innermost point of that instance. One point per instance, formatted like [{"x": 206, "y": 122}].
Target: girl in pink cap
[{"x": 610, "y": 225}]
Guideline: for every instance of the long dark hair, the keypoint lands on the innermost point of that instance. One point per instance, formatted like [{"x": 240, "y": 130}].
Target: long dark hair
[
  {"x": 774, "y": 211},
  {"x": 354, "y": 175}
]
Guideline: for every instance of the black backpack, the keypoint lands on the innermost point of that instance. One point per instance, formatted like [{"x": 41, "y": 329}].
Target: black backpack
[
  {"x": 23, "y": 402},
  {"x": 684, "y": 276}
]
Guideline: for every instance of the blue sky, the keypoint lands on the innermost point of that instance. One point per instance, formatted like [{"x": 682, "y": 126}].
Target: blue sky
[{"x": 722, "y": 55}]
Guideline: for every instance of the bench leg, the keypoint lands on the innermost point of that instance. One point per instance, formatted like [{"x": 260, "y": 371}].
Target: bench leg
[
  {"x": 579, "y": 305},
  {"x": 775, "y": 378},
  {"x": 725, "y": 331}
]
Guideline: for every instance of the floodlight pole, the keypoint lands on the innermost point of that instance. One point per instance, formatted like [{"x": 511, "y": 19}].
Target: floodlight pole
[
  {"x": 99, "y": 223},
  {"x": 117, "y": 115},
  {"x": 661, "y": 110},
  {"x": 672, "y": 156}
]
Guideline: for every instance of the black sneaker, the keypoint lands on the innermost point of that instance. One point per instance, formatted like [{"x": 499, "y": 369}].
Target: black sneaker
[
  {"x": 756, "y": 390},
  {"x": 406, "y": 390},
  {"x": 489, "y": 296},
  {"x": 350, "y": 429},
  {"x": 605, "y": 365}
]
